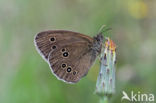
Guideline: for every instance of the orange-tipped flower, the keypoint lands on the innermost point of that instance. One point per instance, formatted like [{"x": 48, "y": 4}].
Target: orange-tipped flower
[
  {"x": 110, "y": 44},
  {"x": 106, "y": 80}
]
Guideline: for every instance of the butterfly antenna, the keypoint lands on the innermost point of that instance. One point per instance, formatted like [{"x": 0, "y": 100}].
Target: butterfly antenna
[
  {"x": 101, "y": 28},
  {"x": 104, "y": 29}
]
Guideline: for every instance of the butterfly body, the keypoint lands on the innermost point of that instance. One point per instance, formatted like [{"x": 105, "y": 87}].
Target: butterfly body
[{"x": 69, "y": 54}]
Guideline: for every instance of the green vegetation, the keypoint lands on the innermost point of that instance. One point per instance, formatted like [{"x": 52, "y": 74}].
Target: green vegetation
[{"x": 26, "y": 78}]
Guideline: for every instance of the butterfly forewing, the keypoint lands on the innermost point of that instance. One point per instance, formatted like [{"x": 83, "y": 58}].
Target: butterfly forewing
[{"x": 46, "y": 41}]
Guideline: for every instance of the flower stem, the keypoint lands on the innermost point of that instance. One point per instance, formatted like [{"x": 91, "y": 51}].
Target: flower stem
[{"x": 104, "y": 99}]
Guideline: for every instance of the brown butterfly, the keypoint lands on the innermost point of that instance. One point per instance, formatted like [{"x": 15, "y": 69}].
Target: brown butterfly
[{"x": 69, "y": 54}]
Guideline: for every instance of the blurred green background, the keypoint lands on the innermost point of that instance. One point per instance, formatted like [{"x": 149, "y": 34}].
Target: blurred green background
[{"x": 26, "y": 78}]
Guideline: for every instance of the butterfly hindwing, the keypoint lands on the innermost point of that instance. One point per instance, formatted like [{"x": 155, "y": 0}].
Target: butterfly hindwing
[{"x": 71, "y": 62}]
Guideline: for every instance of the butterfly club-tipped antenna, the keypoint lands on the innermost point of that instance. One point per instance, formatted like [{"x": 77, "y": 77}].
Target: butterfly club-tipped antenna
[{"x": 103, "y": 29}]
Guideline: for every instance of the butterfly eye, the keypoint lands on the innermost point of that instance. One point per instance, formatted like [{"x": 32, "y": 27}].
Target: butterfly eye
[
  {"x": 74, "y": 72},
  {"x": 64, "y": 65},
  {"x": 65, "y": 54},
  {"x": 52, "y": 39},
  {"x": 54, "y": 47},
  {"x": 69, "y": 69}
]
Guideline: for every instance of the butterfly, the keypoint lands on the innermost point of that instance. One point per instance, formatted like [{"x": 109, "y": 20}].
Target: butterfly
[{"x": 69, "y": 54}]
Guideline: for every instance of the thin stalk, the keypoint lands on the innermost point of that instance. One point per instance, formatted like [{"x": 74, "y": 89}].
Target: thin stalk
[{"x": 104, "y": 99}]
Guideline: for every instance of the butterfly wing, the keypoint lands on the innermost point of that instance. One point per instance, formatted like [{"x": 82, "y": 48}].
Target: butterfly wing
[
  {"x": 46, "y": 41},
  {"x": 53, "y": 45},
  {"x": 71, "y": 62}
]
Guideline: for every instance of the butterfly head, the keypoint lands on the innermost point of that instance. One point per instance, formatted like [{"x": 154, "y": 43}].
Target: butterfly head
[
  {"x": 99, "y": 38},
  {"x": 98, "y": 41}
]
